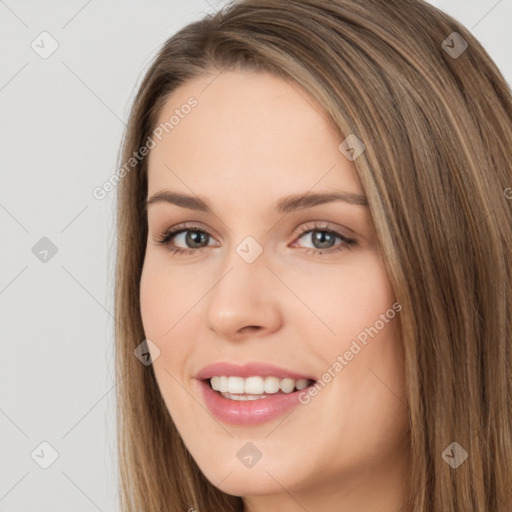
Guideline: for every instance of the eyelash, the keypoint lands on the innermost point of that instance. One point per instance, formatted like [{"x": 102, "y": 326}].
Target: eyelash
[{"x": 167, "y": 236}]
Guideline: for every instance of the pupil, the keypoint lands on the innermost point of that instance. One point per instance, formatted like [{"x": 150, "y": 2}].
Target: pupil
[
  {"x": 320, "y": 237},
  {"x": 194, "y": 237}
]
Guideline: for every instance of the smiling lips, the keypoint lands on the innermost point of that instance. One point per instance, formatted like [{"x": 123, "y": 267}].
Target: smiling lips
[{"x": 250, "y": 394}]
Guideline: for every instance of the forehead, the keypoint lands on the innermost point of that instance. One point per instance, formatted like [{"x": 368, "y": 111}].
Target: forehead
[{"x": 248, "y": 130}]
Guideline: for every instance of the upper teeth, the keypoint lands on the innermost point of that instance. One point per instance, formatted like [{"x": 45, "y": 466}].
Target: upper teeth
[{"x": 256, "y": 385}]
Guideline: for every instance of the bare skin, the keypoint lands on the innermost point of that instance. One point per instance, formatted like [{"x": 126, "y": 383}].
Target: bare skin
[{"x": 251, "y": 140}]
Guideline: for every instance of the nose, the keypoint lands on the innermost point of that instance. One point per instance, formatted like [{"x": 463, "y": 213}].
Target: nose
[{"x": 244, "y": 302}]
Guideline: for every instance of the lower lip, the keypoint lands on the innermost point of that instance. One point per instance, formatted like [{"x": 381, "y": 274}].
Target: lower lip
[{"x": 248, "y": 412}]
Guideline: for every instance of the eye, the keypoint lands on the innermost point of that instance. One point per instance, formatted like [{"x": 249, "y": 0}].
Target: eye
[
  {"x": 194, "y": 238},
  {"x": 191, "y": 235},
  {"x": 324, "y": 238}
]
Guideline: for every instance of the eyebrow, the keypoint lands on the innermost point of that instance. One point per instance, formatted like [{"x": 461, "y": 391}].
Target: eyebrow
[{"x": 284, "y": 205}]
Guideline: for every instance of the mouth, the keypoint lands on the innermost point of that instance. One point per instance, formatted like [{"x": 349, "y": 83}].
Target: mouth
[{"x": 252, "y": 394}]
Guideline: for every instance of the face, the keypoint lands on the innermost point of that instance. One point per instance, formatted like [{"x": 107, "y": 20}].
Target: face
[{"x": 287, "y": 298}]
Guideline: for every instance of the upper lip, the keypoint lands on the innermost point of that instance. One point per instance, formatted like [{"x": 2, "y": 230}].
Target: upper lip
[{"x": 249, "y": 370}]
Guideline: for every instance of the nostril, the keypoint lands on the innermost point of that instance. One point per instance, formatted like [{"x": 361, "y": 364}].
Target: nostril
[{"x": 250, "y": 328}]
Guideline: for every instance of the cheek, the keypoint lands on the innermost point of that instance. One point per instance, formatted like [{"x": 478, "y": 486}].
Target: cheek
[
  {"x": 163, "y": 302},
  {"x": 344, "y": 299},
  {"x": 169, "y": 302},
  {"x": 164, "y": 297},
  {"x": 152, "y": 302},
  {"x": 361, "y": 349}
]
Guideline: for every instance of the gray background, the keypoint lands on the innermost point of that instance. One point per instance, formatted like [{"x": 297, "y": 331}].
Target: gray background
[{"x": 62, "y": 119}]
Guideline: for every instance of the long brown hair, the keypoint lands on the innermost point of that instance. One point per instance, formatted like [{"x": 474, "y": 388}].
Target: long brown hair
[{"x": 436, "y": 120}]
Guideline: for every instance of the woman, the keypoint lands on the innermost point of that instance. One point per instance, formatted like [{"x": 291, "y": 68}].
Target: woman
[{"x": 313, "y": 268}]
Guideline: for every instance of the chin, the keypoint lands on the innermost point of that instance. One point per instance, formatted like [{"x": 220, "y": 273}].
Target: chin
[{"x": 247, "y": 482}]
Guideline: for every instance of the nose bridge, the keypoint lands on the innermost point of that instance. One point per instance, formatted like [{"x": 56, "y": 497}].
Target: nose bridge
[
  {"x": 244, "y": 271},
  {"x": 241, "y": 296}
]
